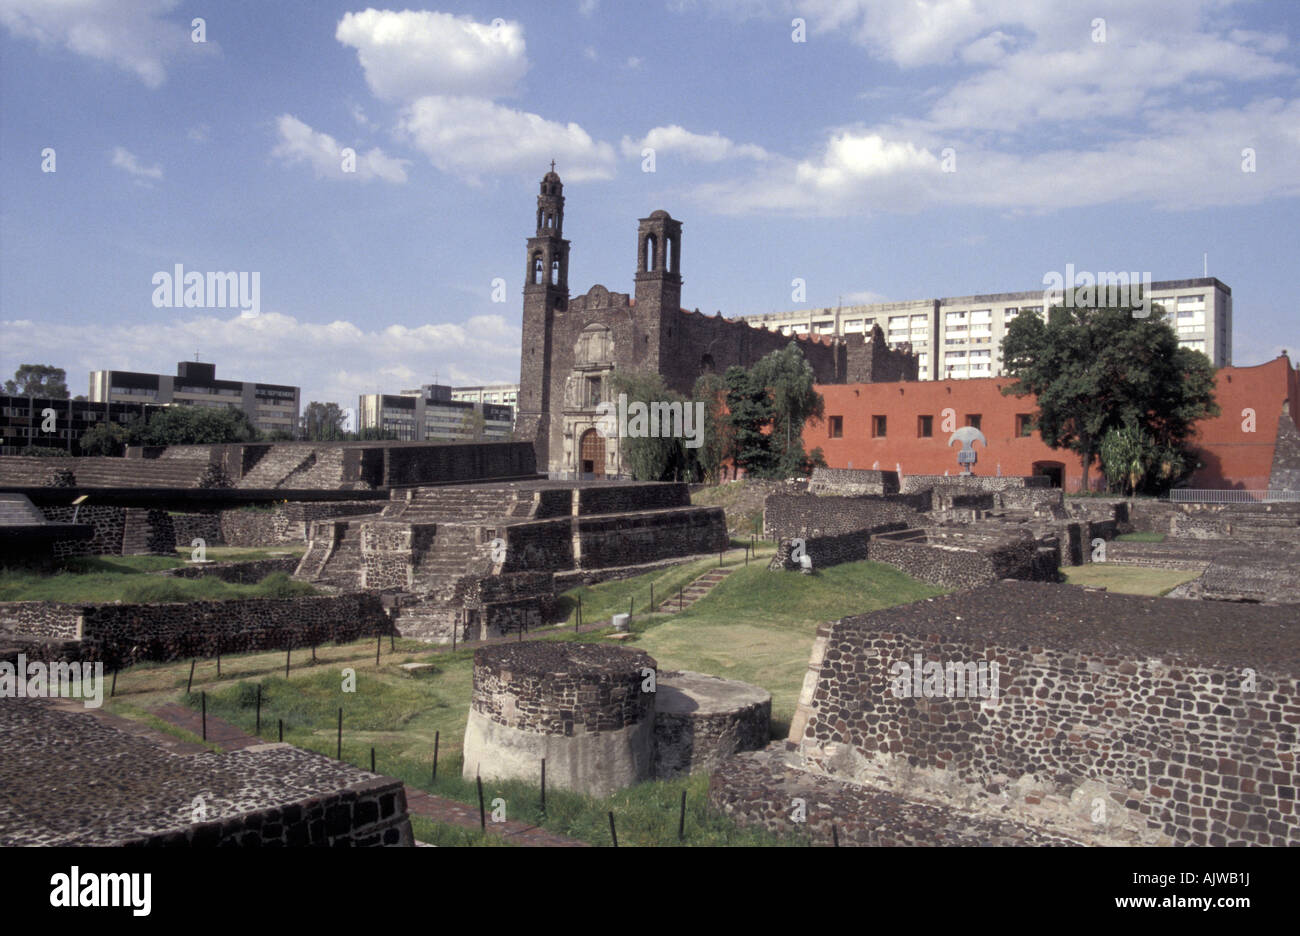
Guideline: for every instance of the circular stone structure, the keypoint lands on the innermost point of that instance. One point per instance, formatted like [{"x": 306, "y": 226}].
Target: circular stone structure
[
  {"x": 580, "y": 706},
  {"x": 702, "y": 720}
]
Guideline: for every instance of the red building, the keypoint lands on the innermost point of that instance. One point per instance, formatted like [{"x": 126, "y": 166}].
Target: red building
[{"x": 907, "y": 425}]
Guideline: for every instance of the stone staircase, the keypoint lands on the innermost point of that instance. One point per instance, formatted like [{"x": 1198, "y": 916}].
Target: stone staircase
[
  {"x": 100, "y": 471},
  {"x": 695, "y": 591},
  {"x": 455, "y": 551},
  {"x": 459, "y": 504},
  {"x": 17, "y": 510},
  {"x": 276, "y": 465},
  {"x": 136, "y": 532},
  {"x": 342, "y": 568},
  {"x": 324, "y": 471}
]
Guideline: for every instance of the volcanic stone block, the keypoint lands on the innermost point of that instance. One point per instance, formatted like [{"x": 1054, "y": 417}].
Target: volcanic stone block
[
  {"x": 702, "y": 720},
  {"x": 580, "y": 706}
]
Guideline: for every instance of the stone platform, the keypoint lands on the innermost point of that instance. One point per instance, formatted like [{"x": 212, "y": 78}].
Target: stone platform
[{"x": 75, "y": 777}]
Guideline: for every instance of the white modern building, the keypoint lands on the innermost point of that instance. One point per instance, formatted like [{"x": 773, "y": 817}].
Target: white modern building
[
  {"x": 961, "y": 336},
  {"x": 430, "y": 414}
]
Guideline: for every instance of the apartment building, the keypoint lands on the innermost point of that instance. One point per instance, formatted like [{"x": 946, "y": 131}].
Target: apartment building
[
  {"x": 46, "y": 423},
  {"x": 961, "y": 336},
  {"x": 270, "y": 407},
  {"x": 430, "y": 414},
  {"x": 501, "y": 394}
]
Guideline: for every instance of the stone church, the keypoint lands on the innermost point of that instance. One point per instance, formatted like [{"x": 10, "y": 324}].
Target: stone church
[{"x": 572, "y": 345}]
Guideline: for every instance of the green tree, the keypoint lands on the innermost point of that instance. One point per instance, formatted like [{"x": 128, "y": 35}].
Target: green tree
[
  {"x": 473, "y": 425},
  {"x": 789, "y": 379},
  {"x": 711, "y": 390},
  {"x": 195, "y": 425},
  {"x": 646, "y": 457},
  {"x": 39, "y": 380},
  {"x": 325, "y": 422},
  {"x": 1094, "y": 370},
  {"x": 749, "y": 405},
  {"x": 106, "y": 438}
]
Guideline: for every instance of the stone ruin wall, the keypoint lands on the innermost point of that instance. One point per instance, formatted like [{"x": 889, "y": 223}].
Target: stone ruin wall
[
  {"x": 119, "y": 634},
  {"x": 118, "y": 531},
  {"x": 367, "y": 814},
  {"x": 849, "y": 482},
  {"x": 1175, "y": 752},
  {"x": 283, "y": 523},
  {"x": 786, "y": 516},
  {"x": 957, "y": 567}
]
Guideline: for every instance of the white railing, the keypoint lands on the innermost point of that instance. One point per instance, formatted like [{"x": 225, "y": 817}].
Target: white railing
[{"x": 1211, "y": 496}]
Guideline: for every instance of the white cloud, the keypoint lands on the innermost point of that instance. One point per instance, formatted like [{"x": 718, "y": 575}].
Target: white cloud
[
  {"x": 1176, "y": 166},
  {"x": 199, "y": 134},
  {"x": 133, "y": 36},
  {"x": 634, "y": 62},
  {"x": 411, "y": 54},
  {"x": 330, "y": 361},
  {"x": 300, "y": 143},
  {"x": 588, "y": 7},
  {"x": 128, "y": 162},
  {"x": 712, "y": 147},
  {"x": 469, "y": 136}
]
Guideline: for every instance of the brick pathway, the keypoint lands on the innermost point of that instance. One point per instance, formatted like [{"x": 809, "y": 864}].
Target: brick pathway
[{"x": 438, "y": 808}]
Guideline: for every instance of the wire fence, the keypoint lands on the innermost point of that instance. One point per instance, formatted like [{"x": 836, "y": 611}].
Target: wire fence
[{"x": 1211, "y": 496}]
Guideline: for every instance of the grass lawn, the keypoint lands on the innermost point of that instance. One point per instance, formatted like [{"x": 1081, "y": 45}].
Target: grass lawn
[
  {"x": 758, "y": 626},
  {"x": 1141, "y": 537},
  {"x": 1129, "y": 580},
  {"x": 246, "y": 553},
  {"x": 112, "y": 579}
]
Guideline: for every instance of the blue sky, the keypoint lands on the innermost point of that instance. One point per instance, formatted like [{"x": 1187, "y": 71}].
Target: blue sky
[{"x": 821, "y": 159}]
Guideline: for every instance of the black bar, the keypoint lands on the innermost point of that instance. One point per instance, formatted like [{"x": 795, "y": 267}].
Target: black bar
[
  {"x": 482, "y": 813},
  {"x": 835, "y": 835},
  {"x": 281, "y": 721},
  {"x": 392, "y": 646},
  {"x": 204, "y": 697},
  {"x": 313, "y": 653},
  {"x": 218, "y": 658},
  {"x": 454, "y": 630},
  {"x": 190, "y": 682},
  {"x": 681, "y": 823},
  {"x": 612, "y": 833},
  {"x": 287, "y": 651},
  {"x": 435, "y": 755},
  {"x": 258, "y": 729},
  {"x": 679, "y": 598},
  {"x": 379, "y": 643},
  {"x": 112, "y": 692},
  {"x": 630, "y": 599},
  {"x": 543, "y": 785},
  {"x": 372, "y": 759},
  {"x": 339, "y": 755}
]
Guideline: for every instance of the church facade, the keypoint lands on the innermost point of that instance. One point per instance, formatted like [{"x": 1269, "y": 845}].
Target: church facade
[{"x": 572, "y": 345}]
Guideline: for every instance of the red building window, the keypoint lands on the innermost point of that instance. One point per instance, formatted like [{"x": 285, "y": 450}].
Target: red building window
[
  {"x": 1024, "y": 424},
  {"x": 924, "y": 427},
  {"x": 836, "y": 424},
  {"x": 878, "y": 427},
  {"x": 973, "y": 420}
]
